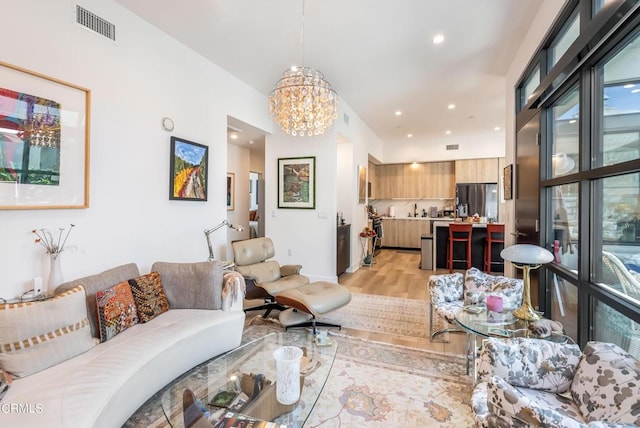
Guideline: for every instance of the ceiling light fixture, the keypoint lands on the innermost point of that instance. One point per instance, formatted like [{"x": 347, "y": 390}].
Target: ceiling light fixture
[
  {"x": 233, "y": 136},
  {"x": 451, "y": 106},
  {"x": 497, "y": 128},
  {"x": 438, "y": 38},
  {"x": 398, "y": 113},
  {"x": 448, "y": 132},
  {"x": 409, "y": 135},
  {"x": 303, "y": 103}
]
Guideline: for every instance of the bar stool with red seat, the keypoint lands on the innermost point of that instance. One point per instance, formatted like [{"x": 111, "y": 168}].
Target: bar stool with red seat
[
  {"x": 495, "y": 235},
  {"x": 459, "y": 232}
]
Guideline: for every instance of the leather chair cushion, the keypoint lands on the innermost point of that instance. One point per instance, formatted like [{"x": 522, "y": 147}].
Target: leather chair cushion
[
  {"x": 316, "y": 298},
  {"x": 252, "y": 251}
]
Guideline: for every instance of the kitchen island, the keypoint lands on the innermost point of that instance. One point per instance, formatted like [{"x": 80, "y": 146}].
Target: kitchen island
[{"x": 478, "y": 238}]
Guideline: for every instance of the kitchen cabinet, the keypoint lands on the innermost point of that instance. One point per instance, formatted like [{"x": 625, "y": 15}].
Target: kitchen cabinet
[
  {"x": 372, "y": 181},
  {"x": 405, "y": 233},
  {"x": 429, "y": 180},
  {"x": 477, "y": 170}
]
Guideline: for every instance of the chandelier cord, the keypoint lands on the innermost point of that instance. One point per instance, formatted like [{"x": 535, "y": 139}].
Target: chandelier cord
[{"x": 302, "y": 33}]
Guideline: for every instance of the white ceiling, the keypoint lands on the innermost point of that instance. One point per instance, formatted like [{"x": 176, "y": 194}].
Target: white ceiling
[{"x": 377, "y": 54}]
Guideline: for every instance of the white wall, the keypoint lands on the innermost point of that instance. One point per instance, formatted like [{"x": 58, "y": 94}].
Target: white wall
[{"x": 136, "y": 81}]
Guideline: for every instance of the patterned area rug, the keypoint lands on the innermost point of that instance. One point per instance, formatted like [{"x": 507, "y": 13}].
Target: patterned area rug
[
  {"x": 380, "y": 314},
  {"x": 373, "y": 385}
]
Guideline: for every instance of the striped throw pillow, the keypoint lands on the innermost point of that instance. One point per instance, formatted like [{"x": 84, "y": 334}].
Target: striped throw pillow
[{"x": 37, "y": 335}]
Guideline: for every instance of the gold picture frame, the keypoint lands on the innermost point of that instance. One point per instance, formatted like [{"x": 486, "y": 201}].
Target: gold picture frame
[{"x": 44, "y": 141}]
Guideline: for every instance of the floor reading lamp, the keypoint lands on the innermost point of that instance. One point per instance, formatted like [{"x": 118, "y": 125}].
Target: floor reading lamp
[{"x": 208, "y": 232}]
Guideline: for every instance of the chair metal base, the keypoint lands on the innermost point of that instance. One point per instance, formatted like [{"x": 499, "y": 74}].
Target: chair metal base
[
  {"x": 268, "y": 306},
  {"x": 293, "y": 318}
]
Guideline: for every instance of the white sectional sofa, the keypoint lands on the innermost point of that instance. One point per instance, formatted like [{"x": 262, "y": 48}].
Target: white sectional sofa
[{"x": 105, "y": 385}]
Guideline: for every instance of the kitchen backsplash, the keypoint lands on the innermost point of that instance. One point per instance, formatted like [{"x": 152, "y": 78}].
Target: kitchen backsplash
[{"x": 405, "y": 207}]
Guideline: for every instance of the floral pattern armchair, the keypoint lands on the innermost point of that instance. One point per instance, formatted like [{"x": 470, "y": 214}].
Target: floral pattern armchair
[
  {"x": 527, "y": 382},
  {"x": 450, "y": 292}
]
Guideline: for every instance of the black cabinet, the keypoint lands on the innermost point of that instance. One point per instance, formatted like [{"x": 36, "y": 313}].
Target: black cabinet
[{"x": 343, "y": 248}]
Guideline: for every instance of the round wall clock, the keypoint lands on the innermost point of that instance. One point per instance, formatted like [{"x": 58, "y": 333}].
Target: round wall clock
[{"x": 167, "y": 124}]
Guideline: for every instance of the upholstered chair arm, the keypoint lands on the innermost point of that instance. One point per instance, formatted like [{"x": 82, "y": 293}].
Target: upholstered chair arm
[
  {"x": 288, "y": 270},
  {"x": 446, "y": 287},
  {"x": 530, "y": 363},
  {"x": 508, "y": 404}
]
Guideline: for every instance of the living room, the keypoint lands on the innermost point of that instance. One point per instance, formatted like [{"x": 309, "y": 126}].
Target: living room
[{"x": 124, "y": 213}]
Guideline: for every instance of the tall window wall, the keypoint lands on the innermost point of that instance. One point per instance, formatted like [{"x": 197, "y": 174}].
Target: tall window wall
[{"x": 589, "y": 97}]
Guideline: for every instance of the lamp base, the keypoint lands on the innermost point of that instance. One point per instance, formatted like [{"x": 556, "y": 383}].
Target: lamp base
[{"x": 527, "y": 313}]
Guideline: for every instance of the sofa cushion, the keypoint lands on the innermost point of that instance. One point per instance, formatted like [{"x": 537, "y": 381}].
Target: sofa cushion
[
  {"x": 606, "y": 385},
  {"x": 149, "y": 296},
  {"x": 94, "y": 283},
  {"x": 37, "y": 335},
  {"x": 540, "y": 364},
  {"x": 116, "y": 310},
  {"x": 191, "y": 285}
]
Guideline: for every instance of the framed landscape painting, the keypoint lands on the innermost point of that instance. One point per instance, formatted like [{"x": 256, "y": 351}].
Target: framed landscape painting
[
  {"x": 44, "y": 141},
  {"x": 189, "y": 170},
  {"x": 297, "y": 182}
]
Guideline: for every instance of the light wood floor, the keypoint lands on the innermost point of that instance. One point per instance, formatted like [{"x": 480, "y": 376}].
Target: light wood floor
[{"x": 397, "y": 273}]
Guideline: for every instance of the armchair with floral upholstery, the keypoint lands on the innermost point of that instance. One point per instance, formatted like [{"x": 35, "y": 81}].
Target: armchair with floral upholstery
[
  {"x": 451, "y": 292},
  {"x": 526, "y": 382}
]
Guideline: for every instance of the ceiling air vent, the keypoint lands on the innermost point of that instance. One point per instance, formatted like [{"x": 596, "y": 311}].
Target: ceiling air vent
[
  {"x": 345, "y": 118},
  {"x": 94, "y": 23},
  {"x": 453, "y": 146}
]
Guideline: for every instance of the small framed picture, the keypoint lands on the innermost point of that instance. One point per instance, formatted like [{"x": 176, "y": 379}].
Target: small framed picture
[
  {"x": 231, "y": 191},
  {"x": 297, "y": 182},
  {"x": 508, "y": 182},
  {"x": 189, "y": 170}
]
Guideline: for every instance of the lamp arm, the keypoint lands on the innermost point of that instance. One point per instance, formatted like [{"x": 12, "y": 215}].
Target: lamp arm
[{"x": 207, "y": 234}]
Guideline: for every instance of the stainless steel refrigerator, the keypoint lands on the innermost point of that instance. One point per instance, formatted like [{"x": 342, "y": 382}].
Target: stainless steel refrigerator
[{"x": 480, "y": 198}]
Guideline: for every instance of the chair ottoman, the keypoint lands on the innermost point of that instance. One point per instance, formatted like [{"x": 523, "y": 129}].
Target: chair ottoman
[{"x": 310, "y": 301}]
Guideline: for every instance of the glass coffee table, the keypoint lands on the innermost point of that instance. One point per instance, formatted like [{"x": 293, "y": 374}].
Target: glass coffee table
[
  {"x": 476, "y": 323},
  {"x": 251, "y": 368}
]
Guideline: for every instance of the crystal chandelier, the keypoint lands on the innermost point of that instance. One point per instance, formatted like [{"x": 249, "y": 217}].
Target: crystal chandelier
[{"x": 303, "y": 103}]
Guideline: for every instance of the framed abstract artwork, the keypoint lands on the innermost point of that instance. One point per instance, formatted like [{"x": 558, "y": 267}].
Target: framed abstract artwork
[
  {"x": 188, "y": 170},
  {"x": 231, "y": 191},
  {"x": 508, "y": 182},
  {"x": 297, "y": 182},
  {"x": 44, "y": 141}
]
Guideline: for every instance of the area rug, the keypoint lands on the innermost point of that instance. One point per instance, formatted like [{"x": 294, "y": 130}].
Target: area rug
[
  {"x": 373, "y": 385},
  {"x": 381, "y": 314}
]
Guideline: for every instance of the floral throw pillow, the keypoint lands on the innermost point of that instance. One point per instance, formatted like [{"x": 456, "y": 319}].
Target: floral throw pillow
[
  {"x": 149, "y": 296},
  {"x": 116, "y": 310}
]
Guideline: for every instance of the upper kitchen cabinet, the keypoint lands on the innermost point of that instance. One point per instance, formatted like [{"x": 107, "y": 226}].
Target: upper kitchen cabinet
[
  {"x": 430, "y": 180},
  {"x": 477, "y": 170},
  {"x": 372, "y": 182}
]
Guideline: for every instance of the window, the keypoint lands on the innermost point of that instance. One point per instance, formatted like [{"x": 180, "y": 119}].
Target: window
[
  {"x": 618, "y": 113},
  {"x": 599, "y": 4},
  {"x": 563, "y": 41},
  {"x": 565, "y": 137},
  {"x": 530, "y": 84},
  {"x": 611, "y": 326},
  {"x": 564, "y": 208}
]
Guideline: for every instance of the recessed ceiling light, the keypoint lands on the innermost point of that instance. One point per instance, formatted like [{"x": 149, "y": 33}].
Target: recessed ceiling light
[
  {"x": 409, "y": 135},
  {"x": 629, "y": 86},
  {"x": 251, "y": 142},
  {"x": 635, "y": 91},
  {"x": 233, "y": 136},
  {"x": 497, "y": 128},
  {"x": 398, "y": 113},
  {"x": 451, "y": 106},
  {"x": 438, "y": 38},
  {"x": 447, "y": 132}
]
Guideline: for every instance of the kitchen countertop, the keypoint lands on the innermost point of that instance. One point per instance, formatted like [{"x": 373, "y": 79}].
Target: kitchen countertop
[
  {"x": 417, "y": 218},
  {"x": 446, "y": 224}
]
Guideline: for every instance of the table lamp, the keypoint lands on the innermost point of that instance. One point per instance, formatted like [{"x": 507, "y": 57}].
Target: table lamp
[
  {"x": 526, "y": 257},
  {"x": 208, "y": 232}
]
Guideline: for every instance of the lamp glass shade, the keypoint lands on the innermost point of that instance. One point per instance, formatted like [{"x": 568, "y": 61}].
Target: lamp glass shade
[{"x": 527, "y": 254}]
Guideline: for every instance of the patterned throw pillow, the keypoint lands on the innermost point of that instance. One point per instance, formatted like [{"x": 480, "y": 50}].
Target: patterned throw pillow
[
  {"x": 37, "y": 335},
  {"x": 116, "y": 310},
  {"x": 149, "y": 296}
]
